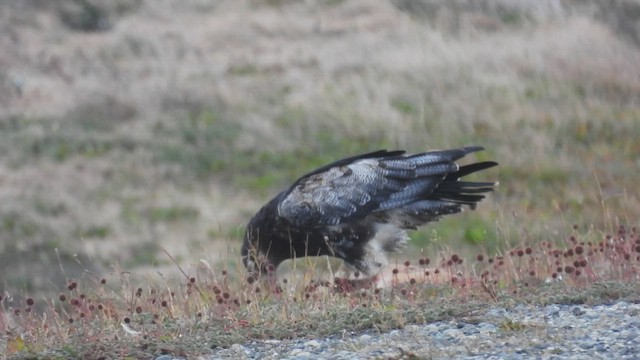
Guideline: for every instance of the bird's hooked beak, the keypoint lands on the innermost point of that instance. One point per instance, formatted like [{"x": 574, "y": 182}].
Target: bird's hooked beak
[
  {"x": 256, "y": 263},
  {"x": 250, "y": 264},
  {"x": 255, "y": 258}
]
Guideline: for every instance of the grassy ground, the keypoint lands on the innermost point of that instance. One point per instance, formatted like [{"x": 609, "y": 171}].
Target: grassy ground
[
  {"x": 129, "y": 126},
  {"x": 96, "y": 318}
]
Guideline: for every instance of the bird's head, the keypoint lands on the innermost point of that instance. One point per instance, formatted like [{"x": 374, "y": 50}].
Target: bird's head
[{"x": 255, "y": 255}]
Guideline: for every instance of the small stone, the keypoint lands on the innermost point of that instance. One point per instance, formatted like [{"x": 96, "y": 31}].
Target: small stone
[
  {"x": 453, "y": 333},
  {"x": 240, "y": 350},
  {"x": 487, "y": 327},
  {"x": 312, "y": 344},
  {"x": 541, "y": 346},
  {"x": 577, "y": 311},
  {"x": 412, "y": 328},
  {"x": 631, "y": 335},
  {"x": 344, "y": 354},
  {"x": 498, "y": 312},
  {"x": 521, "y": 308},
  {"x": 552, "y": 310},
  {"x": 296, "y": 352},
  {"x": 513, "y": 357},
  {"x": 164, "y": 357},
  {"x": 302, "y": 355},
  {"x": 437, "y": 328},
  {"x": 621, "y": 305},
  {"x": 587, "y": 344}
]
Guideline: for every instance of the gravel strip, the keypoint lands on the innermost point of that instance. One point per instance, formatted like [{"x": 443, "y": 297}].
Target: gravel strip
[{"x": 523, "y": 332}]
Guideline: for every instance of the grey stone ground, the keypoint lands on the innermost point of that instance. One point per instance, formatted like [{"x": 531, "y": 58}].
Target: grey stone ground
[{"x": 524, "y": 332}]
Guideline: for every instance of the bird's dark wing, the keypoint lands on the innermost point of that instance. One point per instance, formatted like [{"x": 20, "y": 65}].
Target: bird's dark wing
[{"x": 353, "y": 188}]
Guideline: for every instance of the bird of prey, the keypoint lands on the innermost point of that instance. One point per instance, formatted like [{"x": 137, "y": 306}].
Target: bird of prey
[{"x": 360, "y": 208}]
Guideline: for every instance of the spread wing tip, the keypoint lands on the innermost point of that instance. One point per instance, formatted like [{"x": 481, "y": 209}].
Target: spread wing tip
[{"x": 472, "y": 149}]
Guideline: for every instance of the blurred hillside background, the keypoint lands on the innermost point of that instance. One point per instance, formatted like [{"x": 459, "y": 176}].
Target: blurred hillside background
[{"x": 128, "y": 126}]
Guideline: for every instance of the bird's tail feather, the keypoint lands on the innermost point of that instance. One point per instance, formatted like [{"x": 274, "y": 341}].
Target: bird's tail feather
[
  {"x": 464, "y": 192},
  {"x": 469, "y": 169}
]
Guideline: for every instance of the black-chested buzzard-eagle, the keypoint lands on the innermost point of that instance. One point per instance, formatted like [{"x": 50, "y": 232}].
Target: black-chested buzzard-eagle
[{"x": 360, "y": 208}]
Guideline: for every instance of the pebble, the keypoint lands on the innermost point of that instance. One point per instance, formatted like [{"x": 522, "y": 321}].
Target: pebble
[
  {"x": 314, "y": 344},
  {"x": 549, "y": 332},
  {"x": 552, "y": 310},
  {"x": 484, "y": 328},
  {"x": 165, "y": 357}
]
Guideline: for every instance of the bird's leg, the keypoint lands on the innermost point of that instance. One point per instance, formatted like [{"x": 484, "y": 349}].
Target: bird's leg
[{"x": 347, "y": 279}]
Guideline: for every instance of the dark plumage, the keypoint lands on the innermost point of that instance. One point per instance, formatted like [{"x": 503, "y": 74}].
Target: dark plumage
[{"x": 361, "y": 207}]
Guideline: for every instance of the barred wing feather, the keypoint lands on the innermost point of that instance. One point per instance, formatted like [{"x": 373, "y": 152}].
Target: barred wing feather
[{"x": 381, "y": 184}]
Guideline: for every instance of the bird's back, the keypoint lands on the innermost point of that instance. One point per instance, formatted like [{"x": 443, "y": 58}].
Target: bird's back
[{"x": 360, "y": 207}]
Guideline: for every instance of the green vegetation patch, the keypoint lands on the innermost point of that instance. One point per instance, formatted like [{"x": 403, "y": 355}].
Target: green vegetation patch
[{"x": 172, "y": 214}]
